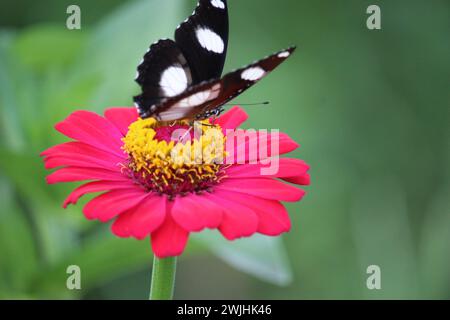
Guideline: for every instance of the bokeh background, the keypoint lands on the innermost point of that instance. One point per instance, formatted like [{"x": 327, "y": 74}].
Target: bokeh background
[{"x": 370, "y": 109}]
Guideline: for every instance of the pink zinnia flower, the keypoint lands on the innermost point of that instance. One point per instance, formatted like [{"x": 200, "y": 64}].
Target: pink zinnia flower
[{"x": 148, "y": 193}]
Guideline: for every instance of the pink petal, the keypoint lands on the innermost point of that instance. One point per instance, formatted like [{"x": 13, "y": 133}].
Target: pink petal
[
  {"x": 108, "y": 205},
  {"x": 92, "y": 129},
  {"x": 287, "y": 167},
  {"x": 72, "y": 174},
  {"x": 244, "y": 147},
  {"x": 82, "y": 161},
  {"x": 264, "y": 188},
  {"x": 142, "y": 220},
  {"x": 273, "y": 218},
  {"x": 169, "y": 239},
  {"x": 75, "y": 147},
  {"x": 301, "y": 180},
  {"x": 232, "y": 119},
  {"x": 95, "y": 186},
  {"x": 122, "y": 117},
  {"x": 238, "y": 220},
  {"x": 196, "y": 212}
]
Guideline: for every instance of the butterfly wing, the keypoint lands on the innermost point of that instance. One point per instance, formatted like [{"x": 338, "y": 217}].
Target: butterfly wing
[
  {"x": 198, "y": 53},
  {"x": 199, "y": 100},
  {"x": 238, "y": 81},
  {"x": 163, "y": 73},
  {"x": 203, "y": 39}
]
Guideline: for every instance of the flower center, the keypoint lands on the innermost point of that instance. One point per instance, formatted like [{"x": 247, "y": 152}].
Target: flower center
[{"x": 175, "y": 159}]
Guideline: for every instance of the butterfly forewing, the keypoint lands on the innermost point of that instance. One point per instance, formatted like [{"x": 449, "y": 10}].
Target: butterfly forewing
[
  {"x": 199, "y": 100},
  {"x": 203, "y": 39},
  {"x": 198, "y": 53},
  {"x": 236, "y": 82}
]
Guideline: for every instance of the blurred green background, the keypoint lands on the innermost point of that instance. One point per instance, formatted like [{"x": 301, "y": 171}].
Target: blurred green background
[{"x": 370, "y": 109}]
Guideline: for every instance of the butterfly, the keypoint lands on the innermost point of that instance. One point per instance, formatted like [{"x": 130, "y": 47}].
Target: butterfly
[{"x": 181, "y": 78}]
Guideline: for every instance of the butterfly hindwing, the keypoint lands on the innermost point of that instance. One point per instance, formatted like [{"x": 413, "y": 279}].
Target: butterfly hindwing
[
  {"x": 163, "y": 72},
  {"x": 237, "y": 81},
  {"x": 191, "y": 103},
  {"x": 199, "y": 100},
  {"x": 203, "y": 39}
]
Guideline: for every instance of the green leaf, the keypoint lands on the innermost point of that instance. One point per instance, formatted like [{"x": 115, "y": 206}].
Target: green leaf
[{"x": 261, "y": 256}]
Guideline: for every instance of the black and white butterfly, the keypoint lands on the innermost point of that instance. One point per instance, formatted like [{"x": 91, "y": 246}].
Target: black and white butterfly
[{"x": 181, "y": 79}]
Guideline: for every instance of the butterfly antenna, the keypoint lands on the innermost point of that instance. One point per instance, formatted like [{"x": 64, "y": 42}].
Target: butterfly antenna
[{"x": 248, "y": 104}]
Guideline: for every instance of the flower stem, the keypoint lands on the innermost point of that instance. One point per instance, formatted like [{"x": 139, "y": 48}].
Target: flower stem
[{"x": 163, "y": 278}]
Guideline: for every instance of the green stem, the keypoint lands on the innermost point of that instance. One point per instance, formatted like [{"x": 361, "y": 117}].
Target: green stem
[{"x": 163, "y": 278}]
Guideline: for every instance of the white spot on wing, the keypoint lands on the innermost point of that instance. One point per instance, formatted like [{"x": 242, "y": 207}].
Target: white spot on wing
[
  {"x": 183, "y": 108},
  {"x": 218, "y": 4},
  {"x": 195, "y": 100},
  {"x": 284, "y": 54},
  {"x": 210, "y": 40},
  {"x": 253, "y": 74},
  {"x": 173, "y": 81},
  {"x": 199, "y": 98},
  {"x": 171, "y": 115}
]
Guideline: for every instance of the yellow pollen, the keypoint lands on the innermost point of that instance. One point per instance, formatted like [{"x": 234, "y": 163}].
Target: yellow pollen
[{"x": 183, "y": 164}]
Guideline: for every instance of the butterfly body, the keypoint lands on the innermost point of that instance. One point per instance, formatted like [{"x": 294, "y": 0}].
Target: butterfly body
[{"x": 181, "y": 79}]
